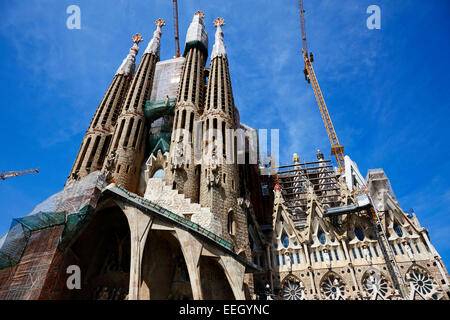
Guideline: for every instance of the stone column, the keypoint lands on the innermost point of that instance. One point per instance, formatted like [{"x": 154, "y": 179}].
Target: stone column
[
  {"x": 191, "y": 249},
  {"x": 140, "y": 224},
  {"x": 235, "y": 275}
]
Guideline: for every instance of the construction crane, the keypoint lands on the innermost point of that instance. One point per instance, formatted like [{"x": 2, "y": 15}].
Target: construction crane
[
  {"x": 336, "y": 149},
  {"x": 175, "y": 20},
  {"x": 6, "y": 175}
]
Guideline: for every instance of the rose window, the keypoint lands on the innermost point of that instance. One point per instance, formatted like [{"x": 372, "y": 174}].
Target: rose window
[{"x": 293, "y": 290}]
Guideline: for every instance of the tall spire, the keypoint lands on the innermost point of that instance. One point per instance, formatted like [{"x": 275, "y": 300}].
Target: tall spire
[
  {"x": 196, "y": 34},
  {"x": 129, "y": 63},
  {"x": 219, "y": 47},
  {"x": 154, "y": 45}
]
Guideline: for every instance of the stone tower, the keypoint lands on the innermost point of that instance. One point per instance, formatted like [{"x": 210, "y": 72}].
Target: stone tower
[
  {"x": 219, "y": 182},
  {"x": 183, "y": 173},
  {"x": 128, "y": 143},
  {"x": 94, "y": 147}
]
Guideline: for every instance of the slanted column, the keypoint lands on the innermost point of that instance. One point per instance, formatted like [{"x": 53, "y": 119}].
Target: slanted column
[
  {"x": 191, "y": 249},
  {"x": 140, "y": 224}
]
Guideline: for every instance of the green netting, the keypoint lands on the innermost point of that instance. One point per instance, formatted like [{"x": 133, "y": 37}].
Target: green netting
[
  {"x": 42, "y": 220},
  {"x": 195, "y": 44},
  {"x": 71, "y": 207},
  {"x": 74, "y": 223},
  {"x": 160, "y": 141},
  {"x": 158, "y": 109}
]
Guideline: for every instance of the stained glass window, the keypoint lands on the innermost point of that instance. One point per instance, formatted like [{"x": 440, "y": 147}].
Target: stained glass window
[
  {"x": 321, "y": 237},
  {"x": 398, "y": 230},
  {"x": 285, "y": 240},
  {"x": 359, "y": 234}
]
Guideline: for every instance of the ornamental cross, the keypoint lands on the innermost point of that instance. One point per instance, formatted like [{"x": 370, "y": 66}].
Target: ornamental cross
[
  {"x": 160, "y": 23},
  {"x": 200, "y": 13},
  {"x": 219, "y": 22},
  {"x": 137, "y": 38}
]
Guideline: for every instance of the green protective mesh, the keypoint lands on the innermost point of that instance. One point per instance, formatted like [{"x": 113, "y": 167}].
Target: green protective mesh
[
  {"x": 160, "y": 141},
  {"x": 158, "y": 109},
  {"x": 195, "y": 44}
]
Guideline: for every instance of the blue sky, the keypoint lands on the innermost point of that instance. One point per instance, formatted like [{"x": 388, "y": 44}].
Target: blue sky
[{"x": 387, "y": 90}]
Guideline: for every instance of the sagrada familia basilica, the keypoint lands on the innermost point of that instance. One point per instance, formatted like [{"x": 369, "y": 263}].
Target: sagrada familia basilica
[{"x": 168, "y": 198}]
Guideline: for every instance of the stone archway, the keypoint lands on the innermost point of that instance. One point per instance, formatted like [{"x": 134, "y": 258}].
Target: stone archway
[
  {"x": 215, "y": 285},
  {"x": 103, "y": 253},
  {"x": 164, "y": 275}
]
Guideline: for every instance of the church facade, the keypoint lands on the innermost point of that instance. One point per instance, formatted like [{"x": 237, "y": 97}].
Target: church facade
[{"x": 168, "y": 199}]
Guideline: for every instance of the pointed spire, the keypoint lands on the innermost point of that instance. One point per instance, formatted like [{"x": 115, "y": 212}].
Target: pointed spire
[
  {"x": 128, "y": 65},
  {"x": 154, "y": 45},
  {"x": 196, "y": 31},
  {"x": 219, "y": 47}
]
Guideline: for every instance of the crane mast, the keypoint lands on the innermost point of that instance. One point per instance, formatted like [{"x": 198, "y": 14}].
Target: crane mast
[
  {"x": 177, "y": 36},
  {"x": 336, "y": 149},
  {"x": 10, "y": 174}
]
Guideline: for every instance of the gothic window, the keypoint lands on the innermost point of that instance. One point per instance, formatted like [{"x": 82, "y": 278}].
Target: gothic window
[
  {"x": 393, "y": 248},
  {"x": 315, "y": 256},
  {"x": 359, "y": 234},
  {"x": 330, "y": 256},
  {"x": 292, "y": 258},
  {"x": 426, "y": 246},
  {"x": 417, "y": 247},
  {"x": 321, "y": 237},
  {"x": 400, "y": 247},
  {"x": 354, "y": 253},
  {"x": 336, "y": 254},
  {"x": 285, "y": 240},
  {"x": 332, "y": 287},
  {"x": 278, "y": 259},
  {"x": 293, "y": 289},
  {"x": 321, "y": 255},
  {"x": 376, "y": 251},
  {"x": 398, "y": 230},
  {"x": 360, "y": 253},
  {"x": 298, "y": 258},
  {"x": 284, "y": 260}
]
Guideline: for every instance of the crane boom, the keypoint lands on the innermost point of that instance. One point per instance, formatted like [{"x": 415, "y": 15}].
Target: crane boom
[
  {"x": 10, "y": 174},
  {"x": 177, "y": 36},
  {"x": 336, "y": 149}
]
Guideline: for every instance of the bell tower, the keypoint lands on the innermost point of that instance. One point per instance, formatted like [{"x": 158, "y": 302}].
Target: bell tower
[
  {"x": 94, "y": 147},
  {"x": 183, "y": 173},
  {"x": 219, "y": 182},
  {"x": 128, "y": 143}
]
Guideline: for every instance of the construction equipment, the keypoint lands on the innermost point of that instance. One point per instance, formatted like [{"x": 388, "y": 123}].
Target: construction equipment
[
  {"x": 10, "y": 174},
  {"x": 175, "y": 20},
  {"x": 336, "y": 149}
]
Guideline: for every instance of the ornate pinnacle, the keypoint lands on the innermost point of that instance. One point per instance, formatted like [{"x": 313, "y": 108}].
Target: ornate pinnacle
[
  {"x": 200, "y": 13},
  {"x": 137, "y": 38},
  {"x": 219, "y": 22},
  {"x": 160, "y": 23}
]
